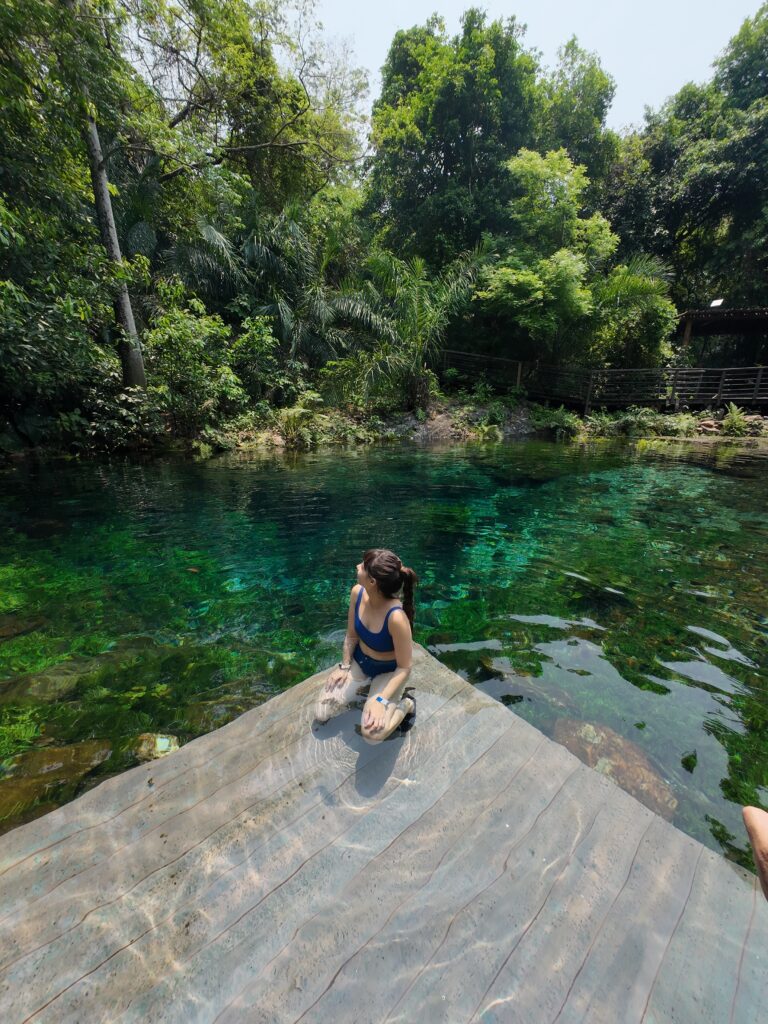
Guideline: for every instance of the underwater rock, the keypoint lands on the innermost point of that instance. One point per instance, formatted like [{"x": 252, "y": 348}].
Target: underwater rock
[
  {"x": 509, "y": 685},
  {"x": 13, "y": 625},
  {"x": 150, "y": 745},
  {"x": 34, "y": 773},
  {"x": 621, "y": 760},
  {"x": 53, "y": 683},
  {"x": 43, "y": 529},
  {"x": 60, "y": 680}
]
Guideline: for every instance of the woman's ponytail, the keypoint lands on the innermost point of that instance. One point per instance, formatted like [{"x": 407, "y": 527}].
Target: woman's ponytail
[
  {"x": 391, "y": 576},
  {"x": 410, "y": 579}
]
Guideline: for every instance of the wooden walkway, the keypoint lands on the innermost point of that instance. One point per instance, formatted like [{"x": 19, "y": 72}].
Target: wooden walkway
[
  {"x": 277, "y": 870},
  {"x": 665, "y": 387}
]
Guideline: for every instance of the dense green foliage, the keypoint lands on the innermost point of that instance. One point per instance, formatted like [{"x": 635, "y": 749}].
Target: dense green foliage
[
  {"x": 557, "y": 284},
  {"x": 267, "y": 260},
  {"x": 691, "y": 187}
]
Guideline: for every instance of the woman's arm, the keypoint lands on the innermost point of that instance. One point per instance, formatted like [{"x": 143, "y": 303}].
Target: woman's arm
[
  {"x": 339, "y": 676},
  {"x": 351, "y": 638}
]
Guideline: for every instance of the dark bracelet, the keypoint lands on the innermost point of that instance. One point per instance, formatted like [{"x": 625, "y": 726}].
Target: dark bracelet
[{"x": 345, "y": 668}]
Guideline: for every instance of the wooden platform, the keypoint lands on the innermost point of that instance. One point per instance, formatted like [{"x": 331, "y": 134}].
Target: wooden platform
[{"x": 278, "y": 871}]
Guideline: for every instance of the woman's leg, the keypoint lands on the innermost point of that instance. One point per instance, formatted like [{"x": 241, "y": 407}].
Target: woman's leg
[
  {"x": 756, "y": 821},
  {"x": 394, "y": 714},
  {"x": 332, "y": 701}
]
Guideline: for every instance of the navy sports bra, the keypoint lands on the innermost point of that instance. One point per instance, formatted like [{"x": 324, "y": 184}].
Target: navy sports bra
[{"x": 381, "y": 641}]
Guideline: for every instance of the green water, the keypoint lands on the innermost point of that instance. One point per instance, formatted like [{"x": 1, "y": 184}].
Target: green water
[{"x": 575, "y": 584}]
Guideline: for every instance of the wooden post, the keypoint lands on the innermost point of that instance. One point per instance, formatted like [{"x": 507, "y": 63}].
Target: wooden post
[
  {"x": 719, "y": 394},
  {"x": 519, "y": 373},
  {"x": 687, "y": 331},
  {"x": 589, "y": 393},
  {"x": 757, "y": 384},
  {"x": 675, "y": 395}
]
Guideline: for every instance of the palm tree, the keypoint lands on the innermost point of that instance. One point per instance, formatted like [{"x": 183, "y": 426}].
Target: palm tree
[
  {"x": 314, "y": 319},
  {"x": 203, "y": 258},
  {"x": 419, "y": 309},
  {"x": 633, "y": 314},
  {"x": 641, "y": 281}
]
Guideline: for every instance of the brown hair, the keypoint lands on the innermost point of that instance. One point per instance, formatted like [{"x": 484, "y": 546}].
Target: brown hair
[{"x": 391, "y": 575}]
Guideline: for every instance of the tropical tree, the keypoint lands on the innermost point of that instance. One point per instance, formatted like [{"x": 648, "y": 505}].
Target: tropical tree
[
  {"x": 633, "y": 316},
  {"x": 451, "y": 111},
  {"x": 418, "y": 309},
  {"x": 691, "y": 186},
  {"x": 554, "y": 293},
  {"x": 574, "y": 103},
  {"x": 314, "y": 317}
]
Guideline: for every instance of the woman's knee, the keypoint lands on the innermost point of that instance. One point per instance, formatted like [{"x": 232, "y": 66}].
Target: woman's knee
[
  {"x": 330, "y": 703},
  {"x": 394, "y": 716}
]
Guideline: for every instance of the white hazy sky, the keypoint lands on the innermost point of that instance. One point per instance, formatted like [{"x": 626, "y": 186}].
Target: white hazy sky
[{"x": 651, "y": 48}]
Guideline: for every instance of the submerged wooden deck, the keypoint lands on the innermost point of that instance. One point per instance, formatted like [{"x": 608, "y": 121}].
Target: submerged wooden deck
[{"x": 277, "y": 870}]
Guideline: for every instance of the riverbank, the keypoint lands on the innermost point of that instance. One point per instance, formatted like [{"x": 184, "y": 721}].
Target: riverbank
[
  {"x": 449, "y": 419},
  {"x": 501, "y": 419}
]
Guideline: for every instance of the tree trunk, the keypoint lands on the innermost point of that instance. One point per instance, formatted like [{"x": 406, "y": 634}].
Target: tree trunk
[
  {"x": 418, "y": 390},
  {"x": 129, "y": 347}
]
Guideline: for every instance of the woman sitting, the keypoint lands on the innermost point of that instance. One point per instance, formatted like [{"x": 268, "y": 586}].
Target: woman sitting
[{"x": 377, "y": 647}]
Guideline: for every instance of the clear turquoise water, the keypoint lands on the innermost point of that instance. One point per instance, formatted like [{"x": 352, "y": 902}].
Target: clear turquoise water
[{"x": 590, "y": 584}]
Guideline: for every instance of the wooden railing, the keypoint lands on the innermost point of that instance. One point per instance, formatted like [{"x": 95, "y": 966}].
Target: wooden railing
[{"x": 669, "y": 387}]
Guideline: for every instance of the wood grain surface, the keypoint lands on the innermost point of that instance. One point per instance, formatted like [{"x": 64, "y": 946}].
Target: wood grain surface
[{"x": 282, "y": 870}]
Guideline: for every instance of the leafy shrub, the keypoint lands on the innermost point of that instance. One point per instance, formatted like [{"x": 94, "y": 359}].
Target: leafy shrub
[
  {"x": 602, "y": 424},
  {"x": 109, "y": 417},
  {"x": 681, "y": 424},
  {"x": 488, "y": 432},
  {"x": 562, "y": 422},
  {"x": 482, "y": 391},
  {"x": 294, "y": 428},
  {"x": 256, "y": 359},
  {"x": 513, "y": 396},
  {"x": 640, "y": 420},
  {"x": 187, "y": 354},
  {"x": 373, "y": 381},
  {"x": 496, "y": 413},
  {"x": 735, "y": 421},
  {"x": 306, "y": 426}
]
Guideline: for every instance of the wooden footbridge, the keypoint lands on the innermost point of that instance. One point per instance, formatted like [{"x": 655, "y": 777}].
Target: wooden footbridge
[
  {"x": 277, "y": 870},
  {"x": 667, "y": 387}
]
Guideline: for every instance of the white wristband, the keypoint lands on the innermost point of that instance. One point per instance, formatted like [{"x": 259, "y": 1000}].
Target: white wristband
[{"x": 384, "y": 701}]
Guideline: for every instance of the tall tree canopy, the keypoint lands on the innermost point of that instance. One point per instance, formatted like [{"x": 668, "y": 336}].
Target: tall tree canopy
[
  {"x": 207, "y": 114},
  {"x": 182, "y": 186},
  {"x": 692, "y": 187},
  {"x": 451, "y": 111},
  {"x": 574, "y": 104}
]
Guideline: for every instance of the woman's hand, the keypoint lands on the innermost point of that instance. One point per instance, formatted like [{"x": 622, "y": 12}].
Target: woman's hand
[
  {"x": 374, "y": 715},
  {"x": 337, "y": 677}
]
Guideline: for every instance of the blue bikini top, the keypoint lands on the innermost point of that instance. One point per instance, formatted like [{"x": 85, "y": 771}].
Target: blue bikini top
[{"x": 381, "y": 641}]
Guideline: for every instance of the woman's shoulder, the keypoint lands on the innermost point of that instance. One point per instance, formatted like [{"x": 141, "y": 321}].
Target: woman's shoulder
[
  {"x": 396, "y": 615},
  {"x": 355, "y": 591}
]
